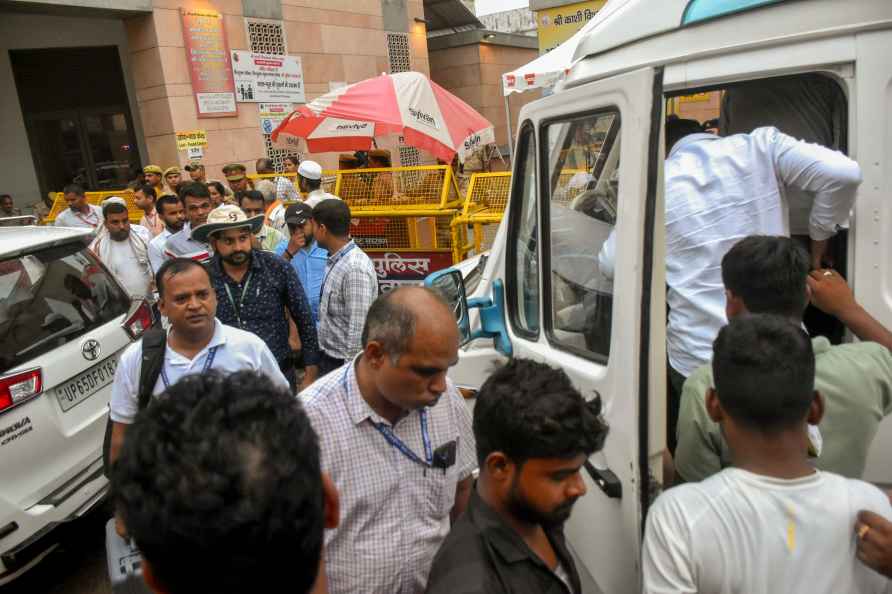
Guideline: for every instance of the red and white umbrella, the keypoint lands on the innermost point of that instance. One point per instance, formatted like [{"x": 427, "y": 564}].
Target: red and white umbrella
[{"x": 409, "y": 104}]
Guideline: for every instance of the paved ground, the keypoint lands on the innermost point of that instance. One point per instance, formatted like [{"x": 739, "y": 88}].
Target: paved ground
[{"x": 75, "y": 567}]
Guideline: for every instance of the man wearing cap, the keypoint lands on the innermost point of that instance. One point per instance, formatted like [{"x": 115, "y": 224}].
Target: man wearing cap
[
  {"x": 79, "y": 213},
  {"x": 236, "y": 178},
  {"x": 254, "y": 289},
  {"x": 197, "y": 204},
  {"x": 196, "y": 172},
  {"x": 172, "y": 180},
  {"x": 307, "y": 257},
  {"x": 124, "y": 249},
  {"x": 309, "y": 176},
  {"x": 153, "y": 175}
]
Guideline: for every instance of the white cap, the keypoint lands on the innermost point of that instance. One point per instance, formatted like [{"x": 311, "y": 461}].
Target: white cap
[
  {"x": 310, "y": 170},
  {"x": 114, "y": 200}
]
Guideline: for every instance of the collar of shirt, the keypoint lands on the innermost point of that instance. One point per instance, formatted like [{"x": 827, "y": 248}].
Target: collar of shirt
[
  {"x": 696, "y": 137},
  {"x": 217, "y": 339},
  {"x": 339, "y": 255},
  {"x": 511, "y": 547}
]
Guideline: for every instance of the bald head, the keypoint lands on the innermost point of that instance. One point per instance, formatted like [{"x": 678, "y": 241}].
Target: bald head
[{"x": 395, "y": 318}]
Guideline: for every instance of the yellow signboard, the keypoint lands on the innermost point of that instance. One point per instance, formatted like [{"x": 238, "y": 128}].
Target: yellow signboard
[
  {"x": 191, "y": 138},
  {"x": 557, "y": 25},
  {"x": 695, "y": 98}
]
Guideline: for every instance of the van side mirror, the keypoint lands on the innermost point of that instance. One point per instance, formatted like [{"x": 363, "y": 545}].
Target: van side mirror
[{"x": 451, "y": 286}]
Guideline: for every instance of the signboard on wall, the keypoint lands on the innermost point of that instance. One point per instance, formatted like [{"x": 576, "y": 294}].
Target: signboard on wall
[
  {"x": 191, "y": 138},
  {"x": 407, "y": 268},
  {"x": 207, "y": 54},
  {"x": 557, "y": 25},
  {"x": 272, "y": 114},
  {"x": 267, "y": 78}
]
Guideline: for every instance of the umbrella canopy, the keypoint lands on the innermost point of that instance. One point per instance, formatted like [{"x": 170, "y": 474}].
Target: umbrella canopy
[{"x": 406, "y": 103}]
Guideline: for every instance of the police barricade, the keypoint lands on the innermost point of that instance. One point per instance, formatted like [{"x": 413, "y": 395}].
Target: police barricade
[
  {"x": 59, "y": 204},
  {"x": 474, "y": 229},
  {"x": 329, "y": 181}
]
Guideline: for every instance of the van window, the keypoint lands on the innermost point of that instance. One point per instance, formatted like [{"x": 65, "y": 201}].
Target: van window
[
  {"x": 52, "y": 296},
  {"x": 583, "y": 157},
  {"x": 523, "y": 260}
]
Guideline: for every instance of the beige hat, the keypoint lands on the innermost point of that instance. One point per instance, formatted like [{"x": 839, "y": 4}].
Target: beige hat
[{"x": 226, "y": 216}]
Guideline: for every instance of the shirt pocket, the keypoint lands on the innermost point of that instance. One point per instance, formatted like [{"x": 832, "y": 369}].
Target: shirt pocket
[{"x": 439, "y": 490}]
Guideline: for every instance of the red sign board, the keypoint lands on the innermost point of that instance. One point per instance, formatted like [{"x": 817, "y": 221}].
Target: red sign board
[
  {"x": 395, "y": 269},
  {"x": 209, "y": 64}
]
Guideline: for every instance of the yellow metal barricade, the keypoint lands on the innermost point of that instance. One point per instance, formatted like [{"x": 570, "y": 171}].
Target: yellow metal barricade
[
  {"x": 483, "y": 209},
  {"x": 329, "y": 180},
  {"x": 59, "y": 204},
  {"x": 398, "y": 188}
]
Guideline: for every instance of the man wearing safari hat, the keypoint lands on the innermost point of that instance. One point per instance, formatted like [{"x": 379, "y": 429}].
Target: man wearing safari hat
[
  {"x": 254, "y": 288},
  {"x": 153, "y": 175},
  {"x": 236, "y": 177},
  {"x": 172, "y": 179},
  {"x": 196, "y": 172},
  {"x": 309, "y": 176}
]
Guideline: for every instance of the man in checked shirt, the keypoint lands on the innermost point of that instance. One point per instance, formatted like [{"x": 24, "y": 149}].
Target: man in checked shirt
[
  {"x": 396, "y": 440},
  {"x": 348, "y": 288}
]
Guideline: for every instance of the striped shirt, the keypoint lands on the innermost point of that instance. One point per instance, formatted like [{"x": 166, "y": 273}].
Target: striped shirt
[
  {"x": 394, "y": 512},
  {"x": 181, "y": 245},
  {"x": 348, "y": 290}
]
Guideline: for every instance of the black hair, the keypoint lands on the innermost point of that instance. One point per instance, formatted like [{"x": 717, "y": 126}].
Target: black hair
[
  {"x": 164, "y": 200},
  {"x": 176, "y": 266},
  {"x": 217, "y": 186},
  {"x": 111, "y": 208},
  {"x": 294, "y": 159},
  {"x": 335, "y": 215},
  {"x": 264, "y": 165},
  {"x": 768, "y": 274},
  {"x": 4, "y": 196},
  {"x": 73, "y": 189},
  {"x": 194, "y": 189},
  {"x": 250, "y": 195},
  {"x": 391, "y": 322},
  {"x": 219, "y": 483},
  {"x": 527, "y": 409},
  {"x": 312, "y": 184},
  {"x": 146, "y": 189},
  {"x": 764, "y": 371},
  {"x": 678, "y": 128}
]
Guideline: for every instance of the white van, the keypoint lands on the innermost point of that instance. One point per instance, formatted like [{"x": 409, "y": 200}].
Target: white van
[{"x": 610, "y": 336}]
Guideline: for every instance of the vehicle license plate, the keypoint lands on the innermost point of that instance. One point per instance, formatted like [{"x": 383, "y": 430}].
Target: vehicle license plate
[{"x": 78, "y": 389}]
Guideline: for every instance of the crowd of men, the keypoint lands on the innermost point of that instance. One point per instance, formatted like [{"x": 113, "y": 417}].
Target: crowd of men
[{"x": 366, "y": 481}]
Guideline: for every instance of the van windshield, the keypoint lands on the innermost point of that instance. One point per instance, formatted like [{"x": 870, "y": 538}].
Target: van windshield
[{"x": 51, "y": 296}]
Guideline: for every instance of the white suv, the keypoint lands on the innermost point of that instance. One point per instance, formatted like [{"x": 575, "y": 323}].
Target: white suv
[{"x": 64, "y": 320}]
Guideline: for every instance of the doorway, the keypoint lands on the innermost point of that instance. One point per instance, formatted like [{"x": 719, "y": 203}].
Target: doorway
[{"x": 77, "y": 116}]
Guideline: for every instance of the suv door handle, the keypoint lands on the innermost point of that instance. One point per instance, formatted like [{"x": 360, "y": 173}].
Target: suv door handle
[{"x": 606, "y": 480}]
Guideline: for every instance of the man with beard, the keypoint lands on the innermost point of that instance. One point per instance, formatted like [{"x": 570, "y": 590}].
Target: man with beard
[
  {"x": 534, "y": 432},
  {"x": 124, "y": 249},
  {"x": 170, "y": 211},
  {"x": 197, "y": 204},
  {"x": 397, "y": 442},
  {"x": 307, "y": 258},
  {"x": 254, "y": 289}
]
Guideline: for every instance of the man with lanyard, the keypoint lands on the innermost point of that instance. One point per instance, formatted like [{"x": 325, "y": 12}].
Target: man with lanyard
[
  {"x": 196, "y": 343},
  {"x": 309, "y": 177},
  {"x": 397, "y": 442},
  {"x": 153, "y": 175},
  {"x": 256, "y": 288},
  {"x": 144, "y": 196},
  {"x": 348, "y": 289},
  {"x": 170, "y": 211},
  {"x": 305, "y": 255},
  {"x": 534, "y": 432},
  {"x": 197, "y": 204},
  {"x": 79, "y": 212}
]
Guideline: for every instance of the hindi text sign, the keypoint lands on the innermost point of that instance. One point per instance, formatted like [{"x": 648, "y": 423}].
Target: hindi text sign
[
  {"x": 272, "y": 114},
  {"x": 267, "y": 78},
  {"x": 396, "y": 269},
  {"x": 191, "y": 138},
  {"x": 207, "y": 54}
]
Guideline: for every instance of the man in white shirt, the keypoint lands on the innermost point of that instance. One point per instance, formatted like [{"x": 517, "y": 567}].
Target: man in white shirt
[
  {"x": 123, "y": 248},
  {"x": 718, "y": 191},
  {"x": 772, "y": 523},
  {"x": 144, "y": 197},
  {"x": 196, "y": 204},
  {"x": 309, "y": 176},
  {"x": 79, "y": 213},
  {"x": 196, "y": 342},
  {"x": 170, "y": 211}
]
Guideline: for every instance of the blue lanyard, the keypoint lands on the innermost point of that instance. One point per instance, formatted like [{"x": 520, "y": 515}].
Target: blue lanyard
[
  {"x": 396, "y": 442},
  {"x": 241, "y": 302},
  {"x": 337, "y": 258},
  {"x": 207, "y": 365}
]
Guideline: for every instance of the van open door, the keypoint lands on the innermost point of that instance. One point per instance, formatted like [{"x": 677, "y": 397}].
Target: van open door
[{"x": 572, "y": 282}]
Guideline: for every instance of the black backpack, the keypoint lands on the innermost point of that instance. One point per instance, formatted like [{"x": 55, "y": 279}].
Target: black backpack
[{"x": 154, "y": 342}]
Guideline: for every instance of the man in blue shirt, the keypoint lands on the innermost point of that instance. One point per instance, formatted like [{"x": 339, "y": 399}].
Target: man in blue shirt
[{"x": 306, "y": 256}]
